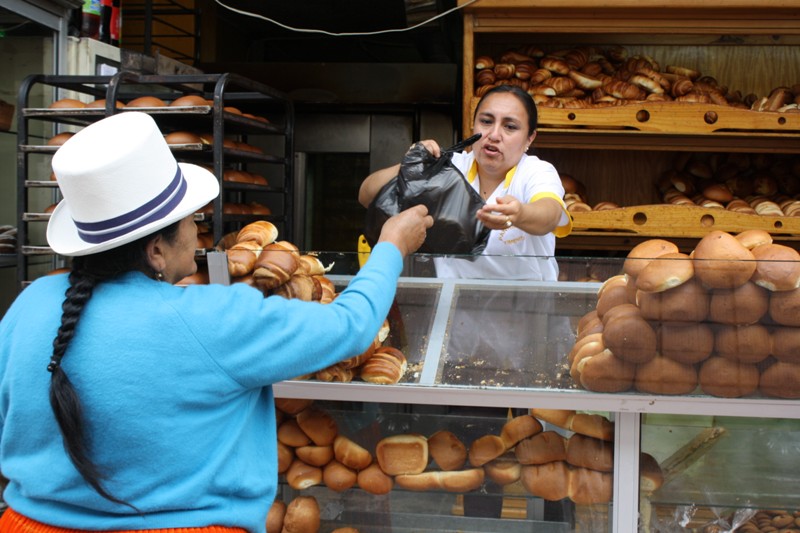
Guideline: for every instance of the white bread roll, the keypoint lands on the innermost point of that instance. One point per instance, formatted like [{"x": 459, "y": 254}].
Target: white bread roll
[
  {"x": 447, "y": 450},
  {"x": 374, "y": 480},
  {"x": 484, "y": 449},
  {"x": 302, "y": 516},
  {"x": 351, "y": 454},
  {"x": 665, "y": 272},
  {"x": 402, "y": 454},
  {"x": 546, "y": 447},
  {"x": 753, "y": 237}
]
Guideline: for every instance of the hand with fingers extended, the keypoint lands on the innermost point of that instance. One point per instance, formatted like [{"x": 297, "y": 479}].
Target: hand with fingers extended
[{"x": 407, "y": 230}]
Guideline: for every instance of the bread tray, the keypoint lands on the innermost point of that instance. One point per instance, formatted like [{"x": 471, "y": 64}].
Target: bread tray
[{"x": 660, "y": 220}]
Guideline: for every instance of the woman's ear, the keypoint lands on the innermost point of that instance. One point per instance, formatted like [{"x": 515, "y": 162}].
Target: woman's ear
[{"x": 155, "y": 254}]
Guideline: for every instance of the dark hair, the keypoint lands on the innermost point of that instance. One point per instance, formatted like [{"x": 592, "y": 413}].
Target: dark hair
[
  {"x": 522, "y": 95},
  {"x": 86, "y": 273}
]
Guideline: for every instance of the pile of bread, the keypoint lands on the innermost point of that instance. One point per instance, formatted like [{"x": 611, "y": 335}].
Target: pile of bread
[
  {"x": 257, "y": 258},
  {"x": 546, "y": 464},
  {"x": 756, "y": 184},
  {"x": 723, "y": 320},
  {"x": 764, "y": 521},
  {"x": 300, "y": 515},
  {"x": 587, "y": 76}
]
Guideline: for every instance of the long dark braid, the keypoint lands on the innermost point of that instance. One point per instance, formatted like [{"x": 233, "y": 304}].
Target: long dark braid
[{"x": 86, "y": 273}]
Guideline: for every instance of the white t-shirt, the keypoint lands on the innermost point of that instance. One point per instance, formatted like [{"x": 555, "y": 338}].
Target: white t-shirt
[{"x": 531, "y": 180}]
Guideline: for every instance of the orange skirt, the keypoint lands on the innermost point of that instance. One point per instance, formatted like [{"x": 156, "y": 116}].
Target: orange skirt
[{"x": 13, "y": 522}]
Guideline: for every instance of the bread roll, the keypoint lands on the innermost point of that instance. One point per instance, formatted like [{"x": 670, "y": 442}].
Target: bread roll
[
  {"x": 630, "y": 338},
  {"x": 302, "y": 516},
  {"x": 453, "y": 481},
  {"x": 285, "y": 457},
  {"x": 665, "y": 272},
  {"x": 546, "y": 447},
  {"x": 781, "y": 380},
  {"x": 786, "y": 344},
  {"x": 504, "y": 470},
  {"x": 518, "y": 428},
  {"x": 743, "y": 305},
  {"x": 182, "y": 137},
  {"x": 784, "y": 307},
  {"x": 242, "y": 258},
  {"x": 402, "y": 454},
  {"x": 744, "y": 344},
  {"x": 338, "y": 477},
  {"x": 586, "y": 323},
  {"x": 189, "y": 100},
  {"x": 651, "y": 477},
  {"x": 386, "y": 366},
  {"x": 484, "y": 449},
  {"x": 549, "y": 481},
  {"x": 332, "y": 373},
  {"x": 60, "y": 138},
  {"x": 590, "y": 344},
  {"x": 147, "y": 101},
  {"x": 557, "y": 417},
  {"x": 275, "y": 265},
  {"x": 588, "y": 452},
  {"x": 275, "y": 516},
  {"x": 688, "y": 302},
  {"x": 320, "y": 427},
  {"x": 606, "y": 373},
  {"x": 315, "y": 455},
  {"x": 616, "y": 293},
  {"x": 754, "y": 237},
  {"x": 374, "y": 480},
  {"x": 345, "y": 530},
  {"x": 261, "y": 232},
  {"x": 641, "y": 255},
  {"x": 447, "y": 450},
  {"x": 351, "y": 454},
  {"x": 726, "y": 378},
  {"x": 722, "y": 262},
  {"x": 686, "y": 342},
  {"x": 300, "y": 475},
  {"x": 67, "y": 103},
  {"x": 290, "y": 434},
  {"x": 292, "y": 406},
  {"x": 663, "y": 375},
  {"x": 592, "y": 425},
  {"x": 777, "y": 268},
  {"x": 589, "y": 487}
]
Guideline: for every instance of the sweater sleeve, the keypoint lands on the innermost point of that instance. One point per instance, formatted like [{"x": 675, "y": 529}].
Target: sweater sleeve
[{"x": 259, "y": 341}]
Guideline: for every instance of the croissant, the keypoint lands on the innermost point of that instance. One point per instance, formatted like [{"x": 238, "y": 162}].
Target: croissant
[
  {"x": 335, "y": 372},
  {"x": 311, "y": 265},
  {"x": 242, "y": 258},
  {"x": 275, "y": 265},
  {"x": 327, "y": 289},
  {"x": 386, "y": 366},
  {"x": 260, "y": 231}
]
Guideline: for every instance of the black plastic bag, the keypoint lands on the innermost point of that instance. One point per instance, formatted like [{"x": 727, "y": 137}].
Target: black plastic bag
[{"x": 443, "y": 189}]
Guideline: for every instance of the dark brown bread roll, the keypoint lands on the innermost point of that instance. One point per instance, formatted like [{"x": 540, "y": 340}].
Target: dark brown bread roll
[
  {"x": 744, "y": 344},
  {"x": 663, "y": 375},
  {"x": 745, "y": 304},
  {"x": 685, "y": 342},
  {"x": 688, "y": 302}
]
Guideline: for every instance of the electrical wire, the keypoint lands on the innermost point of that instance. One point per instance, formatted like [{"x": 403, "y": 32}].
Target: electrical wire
[{"x": 344, "y": 34}]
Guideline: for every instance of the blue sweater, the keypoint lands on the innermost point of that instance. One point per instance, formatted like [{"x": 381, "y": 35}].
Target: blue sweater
[{"x": 175, "y": 384}]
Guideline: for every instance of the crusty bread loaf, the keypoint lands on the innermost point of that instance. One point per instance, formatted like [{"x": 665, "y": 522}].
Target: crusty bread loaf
[
  {"x": 447, "y": 450},
  {"x": 402, "y": 454},
  {"x": 549, "y": 481},
  {"x": 545, "y": 447},
  {"x": 504, "y": 470},
  {"x": 300, "y": 475},
  {"x": 557, "y": 417},
  {"x": 302, "y": 516},
  {"x": 588, "y": 452},
  {"x": 484, "y": 449},
  {"x": 452, "y": 481},
  {"x": 320, "y": 427},
  {"x": 275, "y": 516},
  {"x": 588, "y": 487},
  {"x": 290, "y": 434},
  {"x": 518, "y": 428},
  {"x": 338, "y": 477},
  {"x": 374, "y": 480},
  {"x": 351, "y": 454},
  {"x": 315, "y": 455}
]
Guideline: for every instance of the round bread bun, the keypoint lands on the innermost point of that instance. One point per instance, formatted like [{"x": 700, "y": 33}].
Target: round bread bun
[
  {"x": 189, "y": 100},
  {"x": 630, "y": 338},
  {"x": 302, "y": 515},
  {"x": 101, "y": 104},
  {"x": 318, "y": 425},
  {"x": 613, "y": 294},
  {"x": 504, "y": 470},
  {"x": 665, "y": 272},
  {"x": 518, "y": 428},
  {"x": 338, "y": 477},
  {"x": 275, "y": 516},
  {"x": 753, "y": 237},
  {"x": 484, "y": 449},
  {"x": 663, "y": 375},
  {"x": 589, "y": 324},
  {"x": 549, "y": 481},
  {"x": 60, "y": 138},
  {"x": 685, "y": 342},
  {"x": 625, "y": 311},
  {"x": 290, "y": 434},
  {"x": 285, "y": 457},
  {"x": 606, "y": 373},
  {"x": 641, "y": 254},
  {"x": 447, "y": 450},
  {"x": 718, "y": 192},
  {"x": 545, "y": 447},
  {"x": 588, "y": 452},
  {"x": 182, "y": 137},
  {"x": 351, "y": 454},
  {"x": 615, "y": 281},
  {"x": 315, "y": 455},
  {"x": 786, "y": 344},
  {"x": 373, "y": 480},
  {"x": 147, "y": 101},
  {"x": 722, "y": 262},
  {"x": 743, "y": 344},
  {"x": 292, "y": 406},
  {"x": 587, "y": 350},
  {"x": 67, "y": 103},
  {"x": 777, "y": 268},
  {"x": 780, "y": 381},
  {"x": 595, "y": 342},
  {"x": 784, "y": 307},
  {"x": 300, "y": 475},
  {"x": 590, "y": 487},
  {"x": 726, "y": 378},
  {"x": 688, "y": 302},
  {"x": 745, "y": 304}
]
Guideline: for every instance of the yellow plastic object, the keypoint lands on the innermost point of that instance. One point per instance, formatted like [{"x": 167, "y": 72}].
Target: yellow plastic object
[{"x": 364, "y": 250}]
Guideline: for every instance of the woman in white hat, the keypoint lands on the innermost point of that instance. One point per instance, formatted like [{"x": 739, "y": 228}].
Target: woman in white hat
[{"x": 128, "y": 403}]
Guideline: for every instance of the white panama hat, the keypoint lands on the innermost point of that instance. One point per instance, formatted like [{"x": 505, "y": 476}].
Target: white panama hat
[{"x": 120, "y": 182}]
